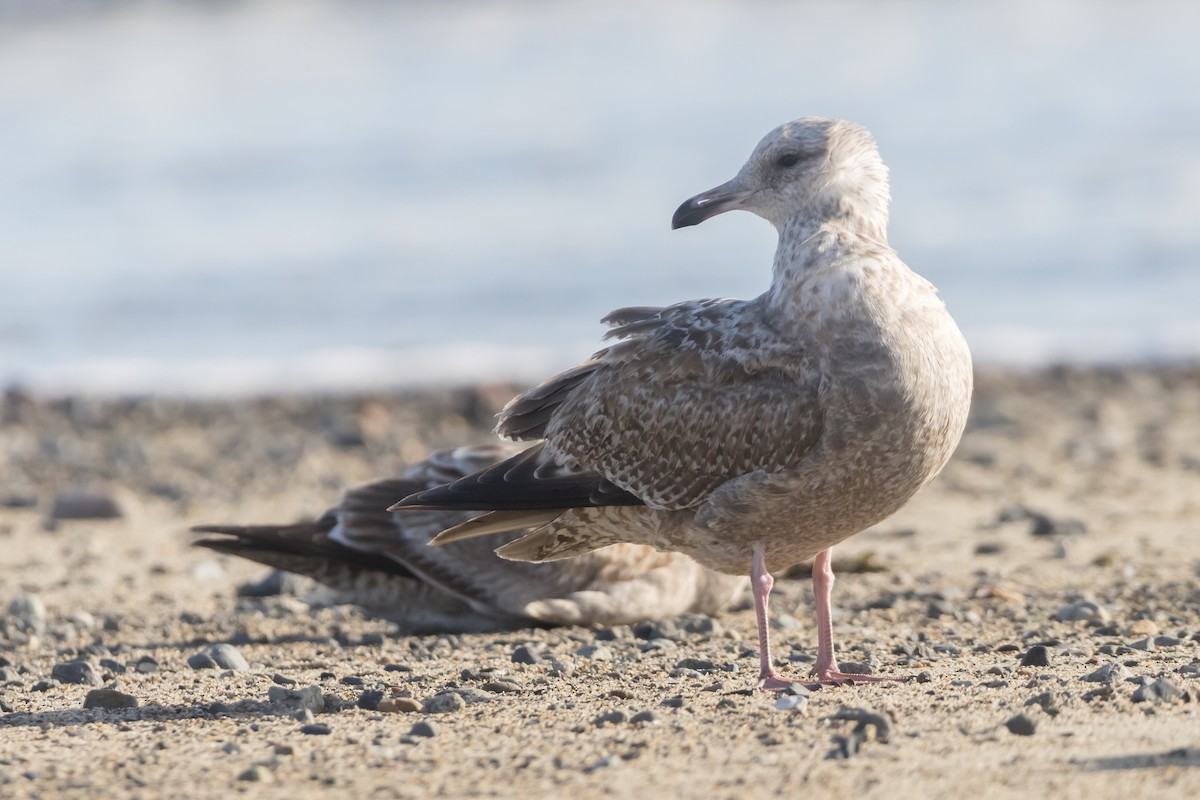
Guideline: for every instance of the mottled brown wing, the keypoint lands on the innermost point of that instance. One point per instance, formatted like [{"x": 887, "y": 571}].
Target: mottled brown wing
[{"x": 693, "y": 396}]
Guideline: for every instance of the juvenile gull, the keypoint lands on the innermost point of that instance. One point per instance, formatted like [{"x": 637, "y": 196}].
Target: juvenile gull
[
  {"x": 378, "y": 559},
  {"x": 749, "y": 434}
]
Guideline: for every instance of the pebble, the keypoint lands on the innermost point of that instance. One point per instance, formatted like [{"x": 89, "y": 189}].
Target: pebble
[
  {"x": 82, "y": 504},
  {"x": 648, "y": 717},
  {"x": 227, "y": 656},
  {"x": 443, "y": 704},
  {"x": 1082, "y": 610},
  {"x": 616, "y": 717},
  {"x": 423, "y": 729},
  {"x": 595, "y": 652},
  {"x": 791, "y": 702},
  {"x": 115, "y": 667},
  {"x": 1143, "y": 627},
  {"x": 1020, "y": 725},
  {"x": 697, "y": 664},
  {"x": 398, "y": 705},
  {"x": 370, "y": 699},
  {"x": 79, "y": 672},
  {"x": 1036, "y": 656},
  {"x": 310, "y": 698},
  {"x": 258, "y": 774},
  {"x": 1108, "y": 673},
  {"x": 1161, "y": 691},
  {"x": 501, "y": 686},
  {"x": 524, "y": 654},
  {"x": 316, "y": 729},
  {"x": 109, "y": 698},
  {"x": 675, "y": 701},
  {"x": 146, "y": 664},
  {"x": 29, "y": 611}
]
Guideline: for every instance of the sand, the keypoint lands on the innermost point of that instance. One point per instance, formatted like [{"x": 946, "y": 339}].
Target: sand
[{"x": 1071, "y": 485}]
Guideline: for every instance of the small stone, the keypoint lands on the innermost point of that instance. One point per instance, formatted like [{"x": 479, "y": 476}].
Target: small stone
[
  {"x": 611, "y": 718},
  {"x": 1036, "y": 656},
  {"x": 501, "y": 686},
  {"x": 310, "y": 698},
  {"x": 648, "y": 717},
  {"x": 82, "y": 504},
  {"x": 146, "y": 664},
  {"x": 115, "y": 667},
  {"x": 675, "y": 701},
  {"x": 791, "y": 702},
  {"x": 258, "y": 774},
  {"x": 443, "y": 704},
  {"x": 29, "y": 612},
  {"x": 201, "y": 660},
  {"x": 1020, "y": 725},
  {"x": 423, "y": 729},
  {"x": 561, "y": 669},
  {"x": 1043, "y": 525},
  {"x": 697, "y": 664},
  {"x": 595, "y": 652},
  {"x": 1161, "y": 691},
  {"x": 78, "y": 672},
  {"x": 1143, "y": 644},
  {"x": 109, "y": 698},
  {"x": 352, "y": 680},
  {"x": 1082, "y": 610},
  {"x": 524, "y": 654},
  {"x": 1167, "y": 641},
  {"x": 370, "y": 699},
  {"x": 316, "y": 729},
  {"x": 398, "y": 705},
  {"x": 227, "y": 656},
  {"x": 1108, "y": 673},
  {"x": 277, "y": 694}
]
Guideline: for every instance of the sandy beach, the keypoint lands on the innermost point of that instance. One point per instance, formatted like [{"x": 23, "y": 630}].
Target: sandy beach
[{"x": 1065, "y": 534}]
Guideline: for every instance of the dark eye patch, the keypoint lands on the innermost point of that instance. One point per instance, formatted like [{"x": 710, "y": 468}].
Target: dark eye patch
[{"x": 788, "y": 160}]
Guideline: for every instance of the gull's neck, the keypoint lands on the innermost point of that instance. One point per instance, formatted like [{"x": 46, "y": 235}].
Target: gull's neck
[{"x": 814, "y": 250}]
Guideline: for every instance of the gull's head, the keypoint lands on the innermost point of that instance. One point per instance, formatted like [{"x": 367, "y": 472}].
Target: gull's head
[{"x": 811, "y": 168}]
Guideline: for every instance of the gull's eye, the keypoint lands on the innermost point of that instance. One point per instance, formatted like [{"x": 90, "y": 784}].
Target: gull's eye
[{"x": 787, "y": 160}]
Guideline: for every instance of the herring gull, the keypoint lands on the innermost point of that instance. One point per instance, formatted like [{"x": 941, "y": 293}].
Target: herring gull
[
  {"x": 378, "y": 559},
  {"x": 749, "y": 434}
]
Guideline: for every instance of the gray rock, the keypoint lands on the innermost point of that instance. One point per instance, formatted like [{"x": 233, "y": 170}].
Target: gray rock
[
  {"x": 697, "y": 664},
  {"x": 595, "y": 652},
  {"x": 1036, "y": 656},
  {"x": 648, "y": 717},
  {"x": 257, "y": 774},
  {"x": 446, "y": 703},
  {"x": 84, "y": 504},
  {"x": 77, "y": 672},
  {"x": 370, "y": 699},
  {"x": 29, "y": 612},
  {"x": 316, "y": 729},
  {"x": 201, "y": 660},
  {"x": 524, "y": 654},
  {"x": 423, "y": 729},
  {"x": 1160, "y": 691},
  {"x": 1108, "y": 673},
  {"x": 109, "y": 698},
  {"x": 1082, "y": 610},
  {"x": 1020, "y": 725},
  {"x": 228, "y": 657},
  {"x": 501, "y": 686},
  {"x": 791, "y": 702},
  {"x": 616, "y": 717},
  {"x": 146, "y": 664}
]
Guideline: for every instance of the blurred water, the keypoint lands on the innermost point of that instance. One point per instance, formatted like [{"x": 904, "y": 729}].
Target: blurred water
[{"x": 230, "y": 196}]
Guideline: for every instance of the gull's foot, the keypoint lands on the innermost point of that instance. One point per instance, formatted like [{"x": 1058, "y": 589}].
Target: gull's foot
[
  {"x": 774, "y": 682},
  {"x": 833, "y": 676}
]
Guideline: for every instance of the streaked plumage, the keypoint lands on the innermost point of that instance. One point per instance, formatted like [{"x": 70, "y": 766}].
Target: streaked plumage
[
  {"x": 749, "y": 434},
  {"x": 379, "y": 560}
]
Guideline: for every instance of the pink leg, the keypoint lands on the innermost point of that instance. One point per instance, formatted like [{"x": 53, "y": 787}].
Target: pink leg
[{"x": 826, "y": 668}]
